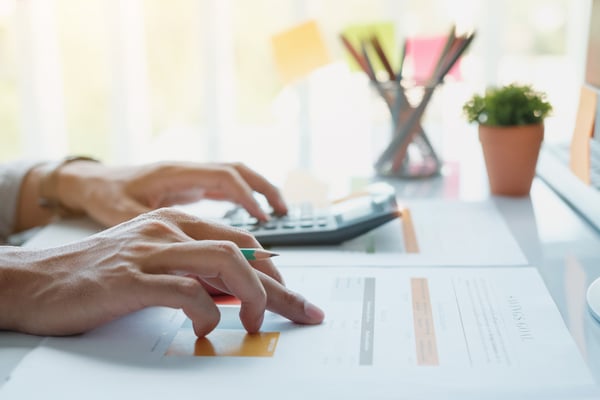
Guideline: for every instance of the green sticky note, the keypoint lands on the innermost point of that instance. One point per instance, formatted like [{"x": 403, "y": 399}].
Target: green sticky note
[{"x": 385, "y": 32}]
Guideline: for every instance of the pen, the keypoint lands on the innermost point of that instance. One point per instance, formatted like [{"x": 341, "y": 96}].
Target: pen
[{"x": 257, "y": 254}]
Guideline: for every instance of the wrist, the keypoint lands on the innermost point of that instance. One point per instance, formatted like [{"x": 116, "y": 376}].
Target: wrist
[{"x": 61, "y": 185}]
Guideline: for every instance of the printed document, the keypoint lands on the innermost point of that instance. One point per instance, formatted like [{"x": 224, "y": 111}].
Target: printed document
[{"x": 401, "y": 333}]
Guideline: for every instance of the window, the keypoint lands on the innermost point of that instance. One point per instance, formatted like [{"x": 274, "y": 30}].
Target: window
[
  {"x": 10, "y": 143},
  {"x": 141, "y": 80}
]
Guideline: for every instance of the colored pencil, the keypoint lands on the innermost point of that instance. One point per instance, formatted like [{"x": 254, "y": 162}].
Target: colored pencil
[
  {"x": 382, "y": 57},
  {"x": 357, "y": 57},
  {"x": 257, "y": 254}
]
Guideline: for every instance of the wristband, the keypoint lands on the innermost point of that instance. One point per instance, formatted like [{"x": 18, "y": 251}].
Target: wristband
[{"x": 48, "y": 190}]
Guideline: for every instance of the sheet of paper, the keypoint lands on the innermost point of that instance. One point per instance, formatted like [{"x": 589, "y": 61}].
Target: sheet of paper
[
  {"x": 389, "y": 333},
  {"x": 450, "y": 233},
  {"x": 447, "y": 232},
  {"x": 299, "y": 50}
]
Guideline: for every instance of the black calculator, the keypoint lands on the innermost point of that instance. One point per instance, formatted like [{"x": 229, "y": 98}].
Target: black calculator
[{"x": 308, "y": 225}]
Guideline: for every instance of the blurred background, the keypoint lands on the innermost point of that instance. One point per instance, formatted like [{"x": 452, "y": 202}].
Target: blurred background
[{"x": 131, "y": 81}]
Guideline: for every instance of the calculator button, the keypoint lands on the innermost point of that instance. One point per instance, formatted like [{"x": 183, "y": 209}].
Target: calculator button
[
  {"x": 269, "y": 225},
  {"x": 231, "y": 213},
  {"x": 307, "y": 224}
]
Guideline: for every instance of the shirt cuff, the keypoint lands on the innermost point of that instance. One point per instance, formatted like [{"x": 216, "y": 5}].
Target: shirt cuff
[{"x": 11, "y": 177}]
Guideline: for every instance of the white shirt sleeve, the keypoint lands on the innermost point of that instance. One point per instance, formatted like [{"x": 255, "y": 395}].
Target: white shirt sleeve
[{"x": 11, "y": 176}]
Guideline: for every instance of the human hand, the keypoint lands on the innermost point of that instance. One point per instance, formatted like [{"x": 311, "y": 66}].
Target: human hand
[
  {"x": 112, "y": 195},
  {"x": 163, "y": 258}
]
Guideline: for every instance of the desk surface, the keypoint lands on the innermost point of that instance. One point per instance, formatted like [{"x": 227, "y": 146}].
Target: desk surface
[
  {"x": 566, "y": 250},
  {"x": 553, "y": 237}
]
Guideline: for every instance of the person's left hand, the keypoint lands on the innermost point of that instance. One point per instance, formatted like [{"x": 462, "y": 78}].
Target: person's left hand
[
  {"x": 162, "y": 258},
  {"x": 111, "y": 195}
]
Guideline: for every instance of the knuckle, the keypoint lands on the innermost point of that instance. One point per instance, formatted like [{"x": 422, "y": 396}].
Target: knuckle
[
  {"x": 189, "y": 288},
  {"x": 156, "y": 227},
  {"x": 123, "y": 274},
  {"x": 142, "y": 248},
  {"x": 289, "y": 298},
  {"x": 225, "y": 172},
  {"x": 134, "y": 277},
  {"x": 238, "y": 165},
  {"x": 246, "y": 239},
  {"x": 226, "y": 248},
  {"x": 172, "y": 225},
  {"x": 166, "y": 220},
  {"x": 167, "y": 213}
]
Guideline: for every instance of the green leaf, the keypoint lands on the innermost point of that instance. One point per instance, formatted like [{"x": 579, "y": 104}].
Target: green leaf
[{"x": 508, "y": 105}]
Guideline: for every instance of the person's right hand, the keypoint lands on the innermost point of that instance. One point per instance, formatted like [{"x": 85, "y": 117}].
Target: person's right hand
[
  {"x": 162, "y": 258},
  {"x": 111, "y": 195}
]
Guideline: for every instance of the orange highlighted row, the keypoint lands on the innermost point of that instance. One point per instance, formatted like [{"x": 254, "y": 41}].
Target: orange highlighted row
[
  {"x": 224, "y": 343},
  {"x": 425, "y": 341}
]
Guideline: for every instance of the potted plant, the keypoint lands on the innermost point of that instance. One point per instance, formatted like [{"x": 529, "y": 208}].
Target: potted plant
[{"x": 511, "y": 130}]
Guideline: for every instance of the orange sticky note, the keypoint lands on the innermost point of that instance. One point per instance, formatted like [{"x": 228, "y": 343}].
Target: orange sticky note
[
  {"x": 299, "y": 51},
  {"x": 584, "y": 130},
  {"x": 224, "y": 343},
  {"x": 233, "y": 343}
]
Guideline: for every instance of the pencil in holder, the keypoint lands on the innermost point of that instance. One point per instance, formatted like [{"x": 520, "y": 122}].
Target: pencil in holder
[
  {"x": 413, "y": 155},
  {"x": 409, "y": 153}
]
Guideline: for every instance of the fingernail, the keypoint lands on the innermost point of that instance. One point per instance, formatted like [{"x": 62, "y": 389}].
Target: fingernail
[{"x": 313, "y": 312}]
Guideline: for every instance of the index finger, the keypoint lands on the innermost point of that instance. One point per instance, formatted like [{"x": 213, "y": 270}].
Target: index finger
[
  {"x": 215, "y": 260},
  {"x": 283, "y": 301},
  {"x": 290, "y": 304},
  {"x": 198, "y": 229},
  {"x": 261, "y": 185}
]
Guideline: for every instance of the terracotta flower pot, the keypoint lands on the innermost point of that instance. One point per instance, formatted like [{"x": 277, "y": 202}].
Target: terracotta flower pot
[{"x": 511, "y": 154}]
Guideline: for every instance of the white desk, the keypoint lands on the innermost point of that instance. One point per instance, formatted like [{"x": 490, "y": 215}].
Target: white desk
[{"x": 552, "y": 236}]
